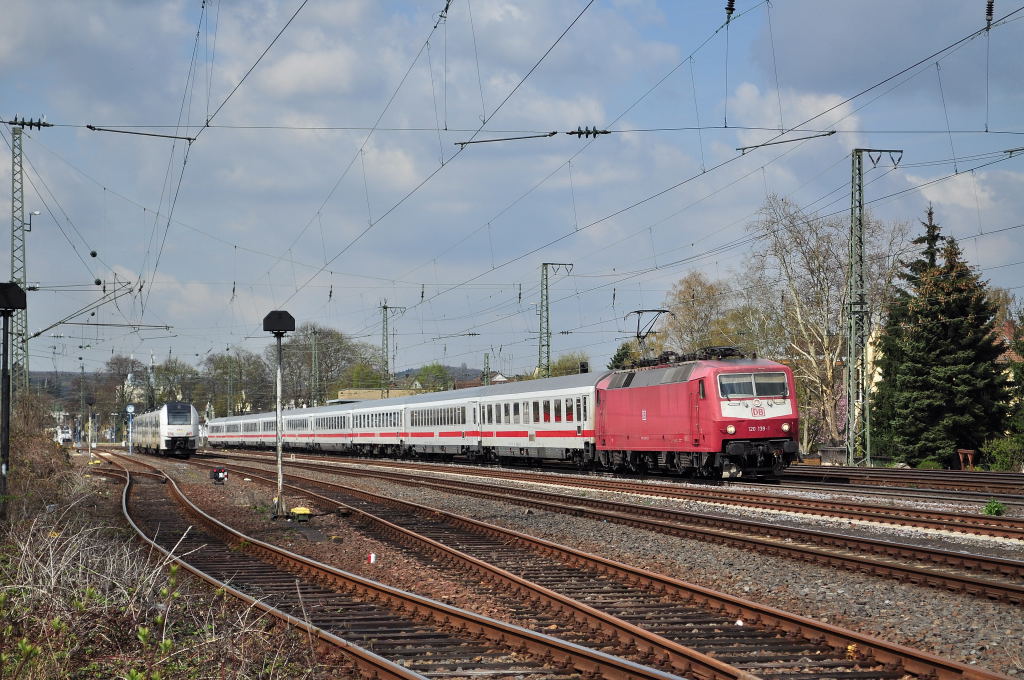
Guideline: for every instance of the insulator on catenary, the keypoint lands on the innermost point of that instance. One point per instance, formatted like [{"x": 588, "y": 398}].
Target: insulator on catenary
[
  {"x": 730, "y": 7},
  {"x": 990, "y": 7}
]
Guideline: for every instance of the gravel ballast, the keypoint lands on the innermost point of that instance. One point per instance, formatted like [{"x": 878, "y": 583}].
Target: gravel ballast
[{"x": 956, "y": 626}]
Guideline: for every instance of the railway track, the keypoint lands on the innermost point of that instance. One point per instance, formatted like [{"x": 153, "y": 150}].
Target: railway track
[
  {"x": 978, "y": 524},
  {"x": 975, "y": 498},
  {"x": 755, "y": 639},
  {"x": 968, "y": 523},
  {"x": 987, "y": 482},
  {"x": 410, "y": 636},
  {"x": 951, "y": 570}
]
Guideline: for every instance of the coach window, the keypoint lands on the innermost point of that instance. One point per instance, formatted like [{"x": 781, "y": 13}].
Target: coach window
[
  {"x": 558, "y": 410},
  {"x": 508, "y": 413},
  {"x": 515, "y": 413},
  {"x": 547, "y": 410},
  {"x": 568, "y": 410},
  {"x": 584, "y": 411},
  {"x": 489, "y": 417}
]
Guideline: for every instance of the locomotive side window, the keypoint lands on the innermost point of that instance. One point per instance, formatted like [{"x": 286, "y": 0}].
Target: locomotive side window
[{"x": 700, "y": 389}]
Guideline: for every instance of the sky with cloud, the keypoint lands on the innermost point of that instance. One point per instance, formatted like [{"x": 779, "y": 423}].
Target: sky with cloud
[{"x": 329, "y": 177}]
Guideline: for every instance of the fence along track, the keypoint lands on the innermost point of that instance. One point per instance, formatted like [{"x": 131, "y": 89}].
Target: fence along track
[
  {"x": 691, "y": 615},
  {"x": 427, "y": 638}
]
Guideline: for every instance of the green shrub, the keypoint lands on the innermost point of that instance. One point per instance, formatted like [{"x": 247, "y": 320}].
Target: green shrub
[
  {"x": 994, "y": 507},
  {"x": 1005, "y": 453},
  {"x": 929, "y": 464}
]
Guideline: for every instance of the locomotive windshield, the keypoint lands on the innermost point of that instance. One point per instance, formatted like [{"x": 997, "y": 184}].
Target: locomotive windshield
[
  {"x": 747, "y": 385},
  {"x": 179, "y": 414}
]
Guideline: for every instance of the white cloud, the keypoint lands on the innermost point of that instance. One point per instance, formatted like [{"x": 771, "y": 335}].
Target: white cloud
[
  {"x": 312, "y": 73},
  {"x": 967, "y": 190}
]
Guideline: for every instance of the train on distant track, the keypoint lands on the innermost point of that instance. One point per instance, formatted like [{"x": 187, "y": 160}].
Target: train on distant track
[
  {"x": 712, "y": 414},
  {"x": 171, "y": 430}
]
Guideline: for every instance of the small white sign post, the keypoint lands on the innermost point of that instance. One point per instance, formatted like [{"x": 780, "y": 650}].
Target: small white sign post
[{"x": 131, "y": 417}]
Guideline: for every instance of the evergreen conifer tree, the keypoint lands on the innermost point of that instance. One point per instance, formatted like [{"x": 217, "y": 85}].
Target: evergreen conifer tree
[{"x": 940, "y": 388}]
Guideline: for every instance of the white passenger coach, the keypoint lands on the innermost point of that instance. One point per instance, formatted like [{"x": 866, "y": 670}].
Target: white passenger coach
[{"x": 549, "y": 419}]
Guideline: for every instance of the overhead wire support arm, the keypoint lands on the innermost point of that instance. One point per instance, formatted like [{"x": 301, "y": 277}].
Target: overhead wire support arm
[
  {"x": 95, "y": 128},
  {"x": 507, "y": 139},
  {"x": 581, "y": 132},
  {"x": 745, "y": 149}
]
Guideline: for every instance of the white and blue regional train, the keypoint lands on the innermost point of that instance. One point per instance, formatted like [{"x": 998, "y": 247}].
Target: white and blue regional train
[{"x": 171, "y": 430}]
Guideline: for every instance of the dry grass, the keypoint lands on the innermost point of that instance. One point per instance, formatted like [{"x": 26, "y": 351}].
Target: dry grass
[{"x": 81, "y": 598}]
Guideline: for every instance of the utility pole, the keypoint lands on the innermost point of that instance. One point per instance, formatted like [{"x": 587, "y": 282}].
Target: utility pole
[
  {"x": 544, "y": 345},
  {"x": 487, "y": 368},
  {"x": 81, "y": 402},
  {"x": 231, "y": 387},
  {"x": 858, "y": 321},
  {"x": 385, "y": 379}
]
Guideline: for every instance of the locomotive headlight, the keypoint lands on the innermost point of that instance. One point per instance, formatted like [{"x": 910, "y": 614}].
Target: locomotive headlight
[
  {"x": 730, "y": 429},
  {"x": 785, "y": 427}
]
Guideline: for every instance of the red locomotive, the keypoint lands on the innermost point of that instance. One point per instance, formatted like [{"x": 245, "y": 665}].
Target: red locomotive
[{"x": 712, "y": 414}]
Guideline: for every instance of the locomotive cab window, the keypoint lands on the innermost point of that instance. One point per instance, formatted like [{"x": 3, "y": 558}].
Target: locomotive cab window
[
  {"x": 179, "y": 414},
  {"x": 747, "y": 385}
]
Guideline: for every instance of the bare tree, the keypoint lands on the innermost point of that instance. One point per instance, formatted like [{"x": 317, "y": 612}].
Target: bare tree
[{"x": 797, "y": 285}]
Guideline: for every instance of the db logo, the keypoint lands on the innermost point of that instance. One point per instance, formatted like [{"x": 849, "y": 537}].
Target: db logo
[{"x": 756, "y": 412}]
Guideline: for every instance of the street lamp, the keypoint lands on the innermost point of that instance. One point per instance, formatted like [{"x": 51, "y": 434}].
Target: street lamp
[
  {"x": 279, "y": 322},
  {"x": 30, "y": 215}
]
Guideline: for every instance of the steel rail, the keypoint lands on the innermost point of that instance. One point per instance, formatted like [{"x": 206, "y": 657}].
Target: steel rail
[
  {"x": 911, "y": 660},
  {"x": 366, "y": 661},
  {"x": 727, "y": 530},
  {"x": 977, "y": 524},
  {"x": 508, "y": 635},
  {"x": 682, "y": 659},
  {"x": 968, "y": 523}
]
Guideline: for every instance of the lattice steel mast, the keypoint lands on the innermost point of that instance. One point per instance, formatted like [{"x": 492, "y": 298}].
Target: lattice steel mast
[
  {"x": 858, "y": 321},
  {"x": 544, "y": 342},
  {"x": 385, "y": 378},
  {"x": 19, "y": 326}
]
